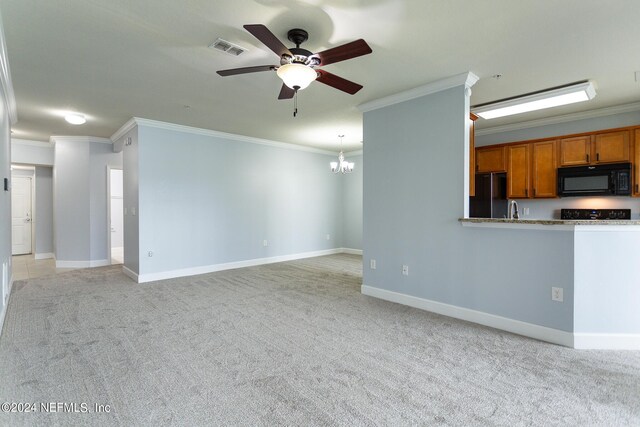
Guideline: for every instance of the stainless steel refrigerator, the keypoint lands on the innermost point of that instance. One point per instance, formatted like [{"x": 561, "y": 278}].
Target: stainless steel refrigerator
[{"x": 490, "y": 200}]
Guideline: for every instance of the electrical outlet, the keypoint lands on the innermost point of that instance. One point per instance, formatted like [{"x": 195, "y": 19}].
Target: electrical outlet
[
  {"x": 372, "y": 264},
  {"x": 328, "y": 236},
  {"x": 265, "y": 243},
  {"x": 150, "y": 253},
  {"x": 405, "y": 270},
  {"x": 557, "y": 294}
]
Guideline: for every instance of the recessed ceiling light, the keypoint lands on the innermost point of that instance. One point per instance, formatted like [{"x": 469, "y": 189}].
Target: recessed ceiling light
[{"x": 75, "y": 119}]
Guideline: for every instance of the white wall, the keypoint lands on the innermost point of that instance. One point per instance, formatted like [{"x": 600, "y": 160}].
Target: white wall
[{"x": 116, "y": 214}]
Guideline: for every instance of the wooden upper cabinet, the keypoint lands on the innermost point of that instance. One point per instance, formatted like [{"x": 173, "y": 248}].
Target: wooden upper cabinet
[
  {"x": 518, "y": 171},
  {"x": 544, "y": 169},
  {"x": 636, "y": 164},
  {"x": 472, "y": 154},
  {"x": 575, "y": 151},
  {"x": 611, "y": 147},
  {"x": 490, "y": 159}
]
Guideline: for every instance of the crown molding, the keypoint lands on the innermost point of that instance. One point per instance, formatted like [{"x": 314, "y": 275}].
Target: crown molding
[
  {"x": 590, "y": 114},
  {"x": 6, "y": 85},
  {"x": 130, "y": 124},
  {"x": 213, "y": 133},
  {"x": 41, "y": 144},
  {"x": 63, "y": 138},
  {"x": 467, "y": 79}
]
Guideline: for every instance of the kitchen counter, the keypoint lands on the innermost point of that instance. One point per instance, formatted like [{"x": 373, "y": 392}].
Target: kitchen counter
[
  {"x": 551, "y": 221},
  {"x": 552, "y": 224}
]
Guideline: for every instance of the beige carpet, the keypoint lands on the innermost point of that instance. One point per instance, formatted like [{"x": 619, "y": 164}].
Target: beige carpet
[{"x": 286, "y": 344}]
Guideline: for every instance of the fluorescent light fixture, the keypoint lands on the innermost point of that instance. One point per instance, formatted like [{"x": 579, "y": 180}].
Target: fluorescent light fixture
[
  {"x": 537, "y": 101},
  {"x": 75, "y": 119}
]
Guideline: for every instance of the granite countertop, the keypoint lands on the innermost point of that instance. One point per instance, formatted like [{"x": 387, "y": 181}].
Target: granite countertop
[{"x": 550, "y": 221}]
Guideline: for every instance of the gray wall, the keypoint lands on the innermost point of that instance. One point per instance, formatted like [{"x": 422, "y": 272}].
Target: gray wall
[
  {"x": 352, "y": 204},
  {"x": 31, "y": 153},
  {"x": 44, "y": 210},
  {"x": 130, "y": 200},
  {"x": 5, "y": 205},
  {"x": 80, "y": 203},
  {"x": 206, "y": 200},
  {"x": 411, "y": 218}
]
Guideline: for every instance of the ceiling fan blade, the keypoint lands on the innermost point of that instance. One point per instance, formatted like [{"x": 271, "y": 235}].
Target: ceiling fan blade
[
  {"x": 344, "y": 52},
  {"x": 338, "y": 82},
  {"x": 246, "y": 70},
  {"x": 263, "y": 34},
  {"x": 286, "y": 92}
]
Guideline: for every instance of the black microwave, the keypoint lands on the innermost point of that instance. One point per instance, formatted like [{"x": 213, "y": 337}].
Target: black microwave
[{"x": 599, "y": 180}]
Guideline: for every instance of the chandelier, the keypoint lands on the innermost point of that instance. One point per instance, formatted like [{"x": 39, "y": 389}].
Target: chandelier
[{"x": 341, "y": 165}]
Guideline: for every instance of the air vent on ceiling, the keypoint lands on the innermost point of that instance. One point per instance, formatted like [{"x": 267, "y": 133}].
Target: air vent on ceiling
[{"x": 228, "y": 47}]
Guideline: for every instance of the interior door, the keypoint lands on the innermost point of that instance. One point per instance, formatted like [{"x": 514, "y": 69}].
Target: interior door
[{"x": 21, "y": 215}]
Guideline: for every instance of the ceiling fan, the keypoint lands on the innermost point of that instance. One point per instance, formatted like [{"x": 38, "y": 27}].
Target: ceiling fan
[{"x": 299, "y": 67}]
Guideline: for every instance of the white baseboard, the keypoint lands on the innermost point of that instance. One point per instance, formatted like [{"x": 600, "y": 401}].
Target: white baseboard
[
  {"x": 82, "y": 264},
  {"x": 130, "y": 273},
  {"x": 5, "y": 308},
  {"x": 151, "y": 277},
  {"x": 542, "y": 333},
  {"x": 352, "y": 251},
  {"x": 587, "y": 341},
  {"x": 45, "y": 255}
]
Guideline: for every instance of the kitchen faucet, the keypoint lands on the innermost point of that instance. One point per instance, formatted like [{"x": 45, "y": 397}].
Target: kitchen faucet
[{"x": 513, "y": 210}]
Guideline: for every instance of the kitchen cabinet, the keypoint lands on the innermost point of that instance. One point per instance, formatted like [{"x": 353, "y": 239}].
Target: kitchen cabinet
[
  {"x": 490, "y": 159},
  {"x": 602, "y": 147},
  {"x": 611, "y": 147},
  {"x": 518, "y": 171},
  {"x": 531, "y": 170},
  {"x": 636, "y": 163},
  {"x": 544, "y": 169},
  {"x": 472, "y": 154},
  {"x": 575, "y": 151}
]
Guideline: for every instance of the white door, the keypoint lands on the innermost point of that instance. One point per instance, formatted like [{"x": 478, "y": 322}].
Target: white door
[{"x": 21, "y": 215}]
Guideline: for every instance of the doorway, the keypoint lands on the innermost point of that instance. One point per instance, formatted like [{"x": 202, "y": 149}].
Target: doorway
[
  {"x": 116, "y": 217},
  {"x": 21, "y": 215}
]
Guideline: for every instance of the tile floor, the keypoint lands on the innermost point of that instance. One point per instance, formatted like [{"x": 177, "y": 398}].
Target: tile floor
[{"x": 27, "y": 267}]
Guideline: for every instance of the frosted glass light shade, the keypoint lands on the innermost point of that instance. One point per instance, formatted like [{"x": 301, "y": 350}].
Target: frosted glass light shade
[
  {"x": 75, "y": 119},
  {"x": 297, "y": 75}
]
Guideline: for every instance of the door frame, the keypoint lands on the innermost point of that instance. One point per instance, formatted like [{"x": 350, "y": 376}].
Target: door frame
[
  {"x": 109, "y": 169},
  {"x": 32, "y": 168}
]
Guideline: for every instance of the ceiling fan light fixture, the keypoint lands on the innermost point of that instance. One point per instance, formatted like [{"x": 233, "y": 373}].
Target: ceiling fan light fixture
[{"x": 297, "y": 76}]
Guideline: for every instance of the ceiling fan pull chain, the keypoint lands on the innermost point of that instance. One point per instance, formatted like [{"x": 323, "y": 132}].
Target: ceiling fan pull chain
[{"x": 295, "y": 103}]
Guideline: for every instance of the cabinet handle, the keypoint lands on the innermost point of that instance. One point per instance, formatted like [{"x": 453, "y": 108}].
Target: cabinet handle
[
  {"x": 534, "y": 192},
  {"x": 587, "y": 158},
  {"x": 597, "y": 157},
  {"x": 637, "y": 188},
  {"x": 526, "y": 192}
]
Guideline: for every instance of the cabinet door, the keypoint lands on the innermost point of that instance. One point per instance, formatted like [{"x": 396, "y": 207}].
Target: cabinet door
[
  {"x": 543, "y": 169},
  {"x": 636, "y": 164},
  {"x": 575, "y": 151},
  {"x": 612, "y": 147},
  {"x": 518, "y": 171},
  {"x": 490, "y": 159}
]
